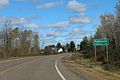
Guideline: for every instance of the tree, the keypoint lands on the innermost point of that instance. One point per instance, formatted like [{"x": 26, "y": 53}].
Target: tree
[
  {"x": 72, "y": 46},
  {"x": 36, "y": 44},
  {"x": 117, "y": 26},
  {"x": 17, "y": 42},
  {"x": 48, "y": 50},
  {"x": 7, "y": 23},
  {"x": 109, "y": 28},
  {"x": 84, "y": 45},
  {"x": 68, "y": 47},
  {"x": 58, "y": 46}
]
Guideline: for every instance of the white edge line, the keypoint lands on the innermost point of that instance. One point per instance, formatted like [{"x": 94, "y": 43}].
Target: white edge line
[{"x": 58, "y": 71}]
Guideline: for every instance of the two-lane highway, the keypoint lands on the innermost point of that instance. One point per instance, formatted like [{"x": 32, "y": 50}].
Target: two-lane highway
[{"x": 37, "y": 68}]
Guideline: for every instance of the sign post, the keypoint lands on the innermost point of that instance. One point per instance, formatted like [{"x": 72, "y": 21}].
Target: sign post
[
  {"x": 101, "y": 42},
  {"x": 107, "y": 57},
  {"x": 95, "y": 55}
]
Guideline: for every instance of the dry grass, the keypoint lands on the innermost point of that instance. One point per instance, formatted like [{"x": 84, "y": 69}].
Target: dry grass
[{"x": 96, "y": 68}]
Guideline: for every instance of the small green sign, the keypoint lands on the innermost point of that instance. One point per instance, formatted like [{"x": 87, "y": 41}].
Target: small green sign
[{"x": 101, "y": 42}]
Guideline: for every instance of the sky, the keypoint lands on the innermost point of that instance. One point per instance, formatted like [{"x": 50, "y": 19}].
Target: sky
[{"x": 57, "y": 20}]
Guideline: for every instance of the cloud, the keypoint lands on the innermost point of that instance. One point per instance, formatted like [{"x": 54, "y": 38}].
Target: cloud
[
  {"x": 47, "y": 41},
  {"x": 31, "y": 25},
  {"x": 77, "y": 34},
  {"x": 80, "y": 8},
  {"x": 71, "y": 21},
  {"x": 54, "y": 25},
  {"x": 76, "y": 6},
  {"x": 53, "y": 33},
  {"x": 25, "y": 21},
  {"x": 76, "y": 30},
  {"x": 13, "y": 20},
  {"x": 18, "y": 20},
  {"x": 80, "y": 19},
  {"x": 74, "y": 34},
  {"x": 4, "y": 3},
  {"x": 57, "y": 25},
  {"x": 27, "y": 0},
  {"x": 56, "y": 33},
  {"x": 48, "y": 5},
  {"x": 33, "y": 17}
]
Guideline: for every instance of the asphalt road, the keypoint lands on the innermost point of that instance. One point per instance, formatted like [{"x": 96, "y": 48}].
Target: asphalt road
[{"x": 37, "y": 68}]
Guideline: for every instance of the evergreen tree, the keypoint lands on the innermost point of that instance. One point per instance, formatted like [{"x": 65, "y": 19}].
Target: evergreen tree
[
  {"x": 72, "y": 46},
  {"x": 58, "y": 46}
]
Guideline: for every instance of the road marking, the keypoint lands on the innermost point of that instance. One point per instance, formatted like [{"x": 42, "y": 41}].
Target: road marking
[
  {"x": 60, "y": 74},
  {"x": 11, "y": 68},
  {"x": 10, "y": 60},
  {"x": 4, "y": 61}
]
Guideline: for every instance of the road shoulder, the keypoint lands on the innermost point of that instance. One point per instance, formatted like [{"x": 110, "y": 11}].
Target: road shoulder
[{"x": 84, "y": 72}]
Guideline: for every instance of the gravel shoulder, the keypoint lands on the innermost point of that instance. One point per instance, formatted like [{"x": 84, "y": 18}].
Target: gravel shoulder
[{"x": 84, "y": 72}]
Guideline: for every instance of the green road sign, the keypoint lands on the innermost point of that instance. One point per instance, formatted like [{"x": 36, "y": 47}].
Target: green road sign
[{"x": 101, "y": 42}]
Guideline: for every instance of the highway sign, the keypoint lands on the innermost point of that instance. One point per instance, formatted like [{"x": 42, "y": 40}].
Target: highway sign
[{"x": 101, "y": 42}]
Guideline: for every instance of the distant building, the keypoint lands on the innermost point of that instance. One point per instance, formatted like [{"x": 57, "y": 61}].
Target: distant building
[
  {"x": 78, "y": 48},
  {"x": 60, "y": 50}
]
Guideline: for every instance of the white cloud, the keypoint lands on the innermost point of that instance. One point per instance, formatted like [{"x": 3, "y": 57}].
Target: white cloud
[
  {"x": 56, "y": 33},
  {"x": 82, "y": 14},
  {"x": 57, "y": 25},
  {"x": 48, "y": 5},
  {"x": 54, "y": 25},
  {"x": 80, "y": 8},
  {"x": 13, "y": 20},
  {"x": 78, "y": 33},
  {"x": 27, "y": 0},
  {"x": 76, "y": 6},
  {"x": 18, "y": 20},
  {"x": 73, "y": 20},
  {"x": 80, "y": 19},
  {"x": 53, "y": 33},
  {"x": 31, "y": 25},
  {"x": 33, "y": 17},
  {"x": 4, "y": 3},
  {"x": 76, "y": 30}
]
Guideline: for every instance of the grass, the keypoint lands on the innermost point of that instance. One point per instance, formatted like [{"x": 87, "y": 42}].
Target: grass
[{"x": 94, "y": 66}]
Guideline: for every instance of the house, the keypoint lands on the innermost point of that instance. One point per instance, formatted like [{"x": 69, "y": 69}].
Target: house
[{"x": 60, "y": 50}]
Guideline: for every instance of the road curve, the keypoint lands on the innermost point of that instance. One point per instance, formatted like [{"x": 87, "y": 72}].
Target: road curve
[{"x": 37, "y": 68}]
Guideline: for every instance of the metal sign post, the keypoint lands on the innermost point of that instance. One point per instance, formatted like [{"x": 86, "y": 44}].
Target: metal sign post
[
  {"x": 95, "y": 55},
  {"x": 107, "y": 60},
  {"x": 101, "y": 42}
]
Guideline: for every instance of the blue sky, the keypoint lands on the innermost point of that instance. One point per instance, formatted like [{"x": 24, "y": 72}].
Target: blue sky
[{"x": 58, "y": 20}]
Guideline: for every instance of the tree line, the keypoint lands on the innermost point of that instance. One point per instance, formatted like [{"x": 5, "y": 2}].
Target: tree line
[
  {"x": 109, "y": 28},
  {"x": 17, "y": 42},
  {"x": 53, "y": 49}
]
